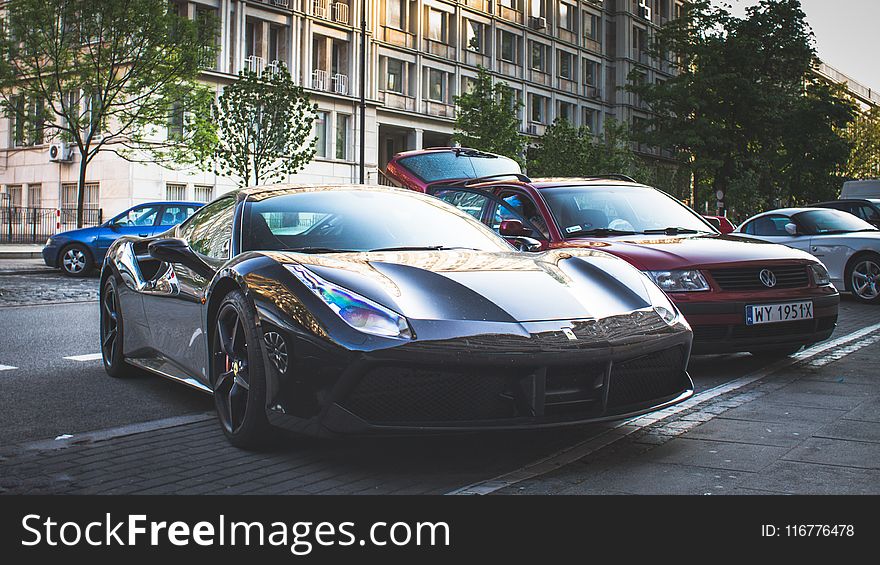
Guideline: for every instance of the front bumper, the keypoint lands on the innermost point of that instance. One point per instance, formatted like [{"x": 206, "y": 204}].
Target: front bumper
[
  {"x": 50, "y": 255},
  {"x": 720, "y": 327},
  {"x": 616, "y": 368}
]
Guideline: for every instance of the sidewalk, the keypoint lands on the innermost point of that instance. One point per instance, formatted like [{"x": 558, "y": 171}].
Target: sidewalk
[
  {"x": 811, "y": 429},
  {"x": 20, "y": 251}
]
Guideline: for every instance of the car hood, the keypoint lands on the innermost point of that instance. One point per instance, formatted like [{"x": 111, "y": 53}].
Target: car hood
[
  {"x": 80, "y": 234},
  {"x": 486, "y": 286},
  {"x": 655, "y": 253}
]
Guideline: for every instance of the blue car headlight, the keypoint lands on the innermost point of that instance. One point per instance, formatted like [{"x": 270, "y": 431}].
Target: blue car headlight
[
  {"x": 679, "y": 281},
  {"x": 357, "y": 311}
]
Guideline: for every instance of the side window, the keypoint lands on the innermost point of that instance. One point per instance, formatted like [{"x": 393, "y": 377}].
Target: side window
[
  {"x": 469, "y": 202},
  {"x": 868, "y": 213},
  {"x": 523, "y": 207},
  {"x": 209, "y": 232},
  {"x": 140, "y": 216},
  {"x": 769, "y": 226},
  {"x": 174, "y": 215}
]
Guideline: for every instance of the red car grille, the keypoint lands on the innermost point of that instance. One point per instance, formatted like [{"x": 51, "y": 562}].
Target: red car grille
[{"x": 749, "y": 278}]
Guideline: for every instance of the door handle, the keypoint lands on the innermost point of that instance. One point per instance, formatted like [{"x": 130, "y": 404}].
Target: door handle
[{"x": 143, "y": 235}]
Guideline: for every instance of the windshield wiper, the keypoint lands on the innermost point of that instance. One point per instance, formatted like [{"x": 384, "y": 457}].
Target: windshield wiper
[
  {"x": 417, "y": 248},
  {"x": 671, "y": 231},
  {"x": 600, "y": 232},
  {"x": 322, "y": 250}
]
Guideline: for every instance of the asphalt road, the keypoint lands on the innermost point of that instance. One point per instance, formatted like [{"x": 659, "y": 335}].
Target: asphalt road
[{"x": 47, "y": 394}]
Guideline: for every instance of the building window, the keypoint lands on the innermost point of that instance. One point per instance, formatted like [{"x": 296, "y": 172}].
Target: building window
[
  {"x": 175, "y": 122},
  {"x": 589, "y": 119},
  {"x": 342, "y": 125},
  {"x": 278, "y": 43},
  {"x": 508, "y": 47},
  {"x": 640, "y": 40},
  {"x": 468, "y": 84},
  {"x": 590, "y": 68},
  {"x": 474, "y": 36},
  {"x": 321, "y": 134},
  {"x": 537, "y": 9},
  {"x": 394, "y": 76},
  {"x": 538, "y": 110},
  {"x": 567, "y": 16},
  {"x": 203, "y": 192},
  {"x": 34, "y": 195},
  {"x": 437, "y": 25},
  {"x": 566, "y": 65},
  {"x": 591, "y": 26},
  {"x": 13, "y": 195},
  {"x": 566, "y": 112},
  {"x": 90, "y": 196},
  {"x": 436, "y": 85},
  {"x": 394, "y": 11},
  {"x": 26, "y": 122},
  {"x": 538, "y": 56},
  {"x": 175, "y": 191}
]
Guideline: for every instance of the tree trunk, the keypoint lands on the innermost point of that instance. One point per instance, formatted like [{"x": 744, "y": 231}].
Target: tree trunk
[{"x": 81, "y": 189}]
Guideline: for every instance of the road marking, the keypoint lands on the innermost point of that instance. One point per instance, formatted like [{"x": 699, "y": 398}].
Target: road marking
[
  {"x": 89, "y": 357},
  {"x": 7, "y": 367},
  {"x": 625, "y": 428}
]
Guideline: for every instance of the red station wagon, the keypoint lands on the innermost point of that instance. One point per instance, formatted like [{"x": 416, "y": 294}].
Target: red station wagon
[{"x": 737, "y": 294}]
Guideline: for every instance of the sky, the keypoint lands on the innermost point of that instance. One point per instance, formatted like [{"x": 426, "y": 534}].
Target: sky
[{"x": 846, "y": 34}]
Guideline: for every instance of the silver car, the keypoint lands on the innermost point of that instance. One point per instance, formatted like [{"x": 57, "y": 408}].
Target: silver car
[{"x": 848, "y": 246}]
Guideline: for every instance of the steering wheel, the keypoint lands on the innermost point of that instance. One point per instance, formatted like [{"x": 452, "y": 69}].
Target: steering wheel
[{"x": 621, "y": 225}]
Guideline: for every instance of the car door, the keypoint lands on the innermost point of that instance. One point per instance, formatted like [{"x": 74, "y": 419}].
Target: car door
[
  {"x": 139, "y": 221},
  {"x": 771, "y": 227},
  {"x": 174, "y": 305}
]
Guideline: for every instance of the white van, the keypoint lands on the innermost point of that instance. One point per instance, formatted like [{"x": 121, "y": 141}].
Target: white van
[{"x": 861, "y": 189}]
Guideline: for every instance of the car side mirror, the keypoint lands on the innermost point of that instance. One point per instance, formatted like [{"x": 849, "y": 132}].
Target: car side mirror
[
  {"x": 174, "y": 250},
  {"x": 513, "y": 228},
  {"x": 791, "y": 229},
  {"x": 524, "y": 243}
]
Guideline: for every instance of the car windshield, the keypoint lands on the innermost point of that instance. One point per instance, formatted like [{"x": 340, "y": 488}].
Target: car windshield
[
  {"x": 362, "y": 220},
  {"x": 435, "y": 166},
  {"x": 816, "y": 222},
  {"x": 620, "y": 210}
]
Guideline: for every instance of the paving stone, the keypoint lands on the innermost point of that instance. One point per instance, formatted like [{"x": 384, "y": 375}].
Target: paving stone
[
  {"x": 759, "y": 433},
  {"x": 716, "y": 454},
  {"x": 792, "y": 477},
  {"x": 838, "y": 452},
  {"x": 851, "y": 429}
]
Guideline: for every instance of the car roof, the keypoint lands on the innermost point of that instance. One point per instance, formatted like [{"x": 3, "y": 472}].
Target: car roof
[
  {"x": 267, "y": 191},
  {"x": 170, "y": 203},
  {"x": 789, "y": 211},
  {"x": 553, "y": 182}
]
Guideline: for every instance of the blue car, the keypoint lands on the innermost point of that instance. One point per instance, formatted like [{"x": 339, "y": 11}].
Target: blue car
[{"x": 77, "y": 252}]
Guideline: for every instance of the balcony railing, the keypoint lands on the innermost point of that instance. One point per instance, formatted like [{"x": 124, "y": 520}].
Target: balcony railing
[
  {"x": 272, "y": 68},
  {"x": 254, "y": 64},
  {"x": 397, "y": 100},
  {"x": 339, "y": 12},
  {"x": 436, "y": 47},
  {"x": 398, "y": 37},
  {"x": 438, "y": 109},
  {"x": 278, "y": 3},
  {"x": 329, "y": 10},
  {"x": 320, "y": 80},
  {"x": 340, "y": 83}
]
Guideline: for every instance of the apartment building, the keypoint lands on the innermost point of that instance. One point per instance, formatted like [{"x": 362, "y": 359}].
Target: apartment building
[{"x": 562, "y": 58}]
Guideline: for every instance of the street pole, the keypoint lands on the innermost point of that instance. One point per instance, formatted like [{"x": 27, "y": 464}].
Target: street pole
[{"x": 363, "y": 89}]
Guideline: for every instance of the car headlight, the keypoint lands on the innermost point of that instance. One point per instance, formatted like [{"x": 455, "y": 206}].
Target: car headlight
[
  {"x": 679, "y": 281},
  {"x": 357, "y": 311},
  {"x": 48, "y": 242},
  {"x": 820, "y": 274},
  {"x": 663, "y": 306}
]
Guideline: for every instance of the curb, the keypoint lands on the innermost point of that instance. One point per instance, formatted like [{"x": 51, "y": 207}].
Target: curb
[{"x": 21, "y": 254}]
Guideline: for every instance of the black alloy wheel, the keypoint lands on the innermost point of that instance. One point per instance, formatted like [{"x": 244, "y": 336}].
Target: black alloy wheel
[
  {"x": 237, "y": 374},
  {"x": 111, "y": 331}
]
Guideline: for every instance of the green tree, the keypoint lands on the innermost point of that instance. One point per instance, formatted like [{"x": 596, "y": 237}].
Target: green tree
[
  {"x": 262, "y": 128},
  {"x": 485, "y": 118},
  {"x": 864, "y": 137},
  {"x": 745, "y": 107},
  {"x": 104, "y": 75},
  {"x": 563, "y": 151}
]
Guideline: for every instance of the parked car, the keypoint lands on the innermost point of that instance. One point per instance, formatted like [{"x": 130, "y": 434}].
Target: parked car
[
  {"x": 869, "y": 188},
  {"x": 352, "y": 309},
  {"x": 867, "y": 209},
  {"x": 738, "y": 295},
  {"x": 77, "y": 252},
  {"x": 848, "y": 246},
  {"x": 417, "y": 170},
  {"x": 720, "y": 223}
]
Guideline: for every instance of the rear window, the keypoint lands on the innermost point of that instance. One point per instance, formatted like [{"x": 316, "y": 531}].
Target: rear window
[{"x": 448, "y": 165}]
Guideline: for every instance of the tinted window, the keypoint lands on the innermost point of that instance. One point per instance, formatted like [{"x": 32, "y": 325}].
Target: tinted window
[
  {"x": 448, "y": 165},
  {"x": 174, "y": 215},
  {"x": 868, "y": 213},
  {"x": 361, "y": 220},
  {"x": 209, "y": 231},
  {"x": 524, "y": 208},
  {"x": 579, "y": 209},
  {"x": 817, "y": 222},
  {"x": 768, "y": 226},
  {"x": 140, "y": 216}
]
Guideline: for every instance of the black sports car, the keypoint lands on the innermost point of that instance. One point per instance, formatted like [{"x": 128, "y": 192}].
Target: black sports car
[{"x": 353, "y": 309}]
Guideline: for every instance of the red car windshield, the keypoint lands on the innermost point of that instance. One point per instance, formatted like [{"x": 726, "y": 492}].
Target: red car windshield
[
  {"x": 597, "y": 210},
  {"x": 435, "y": 166}
]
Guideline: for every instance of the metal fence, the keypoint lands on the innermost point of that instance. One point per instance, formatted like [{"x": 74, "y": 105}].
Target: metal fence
[{"x": 19, "y": 224}]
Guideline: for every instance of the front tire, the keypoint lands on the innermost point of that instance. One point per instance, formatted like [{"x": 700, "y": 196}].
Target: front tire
[
  {"x": 863, "y": 278},
  {"x": 75, "y": 260},
  {"x": 111, "y": 332},
  {"x": 238, "y": 375}
]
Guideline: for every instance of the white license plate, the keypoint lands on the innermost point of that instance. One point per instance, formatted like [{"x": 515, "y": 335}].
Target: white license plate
[{"x": 773, "y": 313}]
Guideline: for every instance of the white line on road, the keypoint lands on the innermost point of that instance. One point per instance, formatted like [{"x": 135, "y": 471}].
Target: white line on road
[
  {"x": 627, "y": 427},
  {"x": 89, "y": 357},
  {"x": 7, "y": 367}
]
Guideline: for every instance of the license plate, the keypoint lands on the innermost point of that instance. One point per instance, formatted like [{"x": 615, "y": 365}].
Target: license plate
[{"x": 774, "y": 313}]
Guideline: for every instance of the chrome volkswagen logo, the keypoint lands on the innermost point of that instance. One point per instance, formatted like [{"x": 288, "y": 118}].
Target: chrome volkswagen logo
[{"x": 768, "y": 278}]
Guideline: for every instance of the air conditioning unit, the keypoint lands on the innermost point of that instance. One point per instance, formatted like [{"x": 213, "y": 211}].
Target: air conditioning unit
[
  {"x": 538, "y": 22},
  {"x": 59, "y": 152},
  {"x": 644, "y": 11}
]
